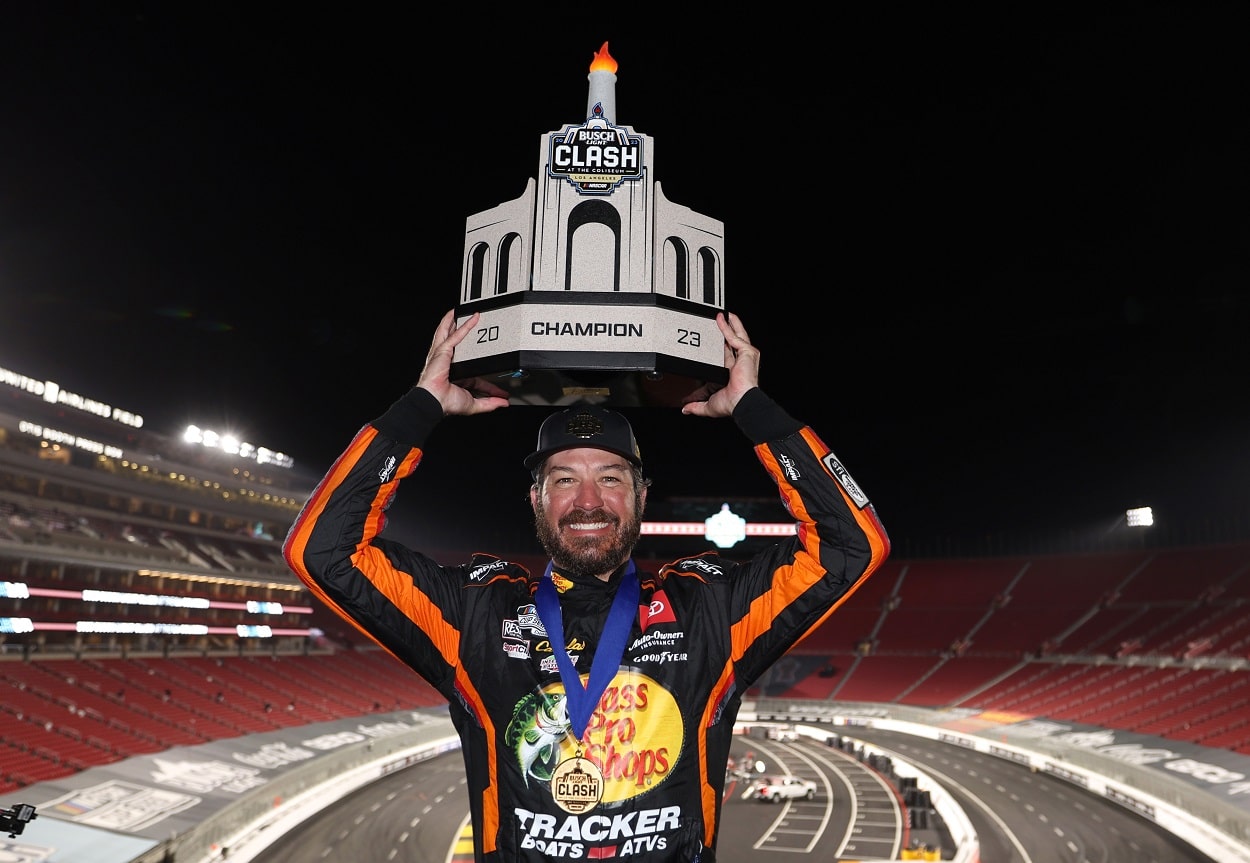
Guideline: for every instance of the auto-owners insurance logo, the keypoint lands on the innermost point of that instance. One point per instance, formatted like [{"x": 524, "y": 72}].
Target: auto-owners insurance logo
[{"x": 595, "y": 157}]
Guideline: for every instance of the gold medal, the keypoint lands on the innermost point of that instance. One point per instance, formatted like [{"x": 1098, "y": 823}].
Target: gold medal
[{"x": 577, "y": 785}]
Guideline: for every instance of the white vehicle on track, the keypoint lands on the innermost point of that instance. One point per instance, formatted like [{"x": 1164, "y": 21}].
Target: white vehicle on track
[{"x": 774, "y": 789}]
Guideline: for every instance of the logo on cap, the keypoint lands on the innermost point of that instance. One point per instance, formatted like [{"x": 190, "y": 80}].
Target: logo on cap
[{"x": 584, "y": 426}]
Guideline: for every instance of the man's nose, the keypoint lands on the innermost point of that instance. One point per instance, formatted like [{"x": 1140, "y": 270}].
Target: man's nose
[{"x": 589, "y": 496}]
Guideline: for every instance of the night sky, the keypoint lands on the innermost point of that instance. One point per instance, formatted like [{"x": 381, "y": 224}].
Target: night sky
[{"x": 1002, "y": 265}]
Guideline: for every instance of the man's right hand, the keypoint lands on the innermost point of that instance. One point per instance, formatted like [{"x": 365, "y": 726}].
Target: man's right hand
[{"x": 474, "y": 396}]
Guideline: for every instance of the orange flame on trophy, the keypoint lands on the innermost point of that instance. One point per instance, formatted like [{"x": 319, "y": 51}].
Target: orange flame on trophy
[{"x": 603, "y": 61}]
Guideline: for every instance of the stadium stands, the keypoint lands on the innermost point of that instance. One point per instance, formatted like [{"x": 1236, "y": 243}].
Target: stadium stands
[
  {"x": 145, "y": 605},
  {"x": 63, "y": 715},
  {"x": 1152, "y": 641}
]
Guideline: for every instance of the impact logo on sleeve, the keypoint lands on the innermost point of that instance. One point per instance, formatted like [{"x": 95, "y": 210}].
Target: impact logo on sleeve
[
  {"x": 480, "y": 572},
  {"x": 788, "y": 467},
  {"x": 844, "y": 479},
  {"x": 388, "y": 469},
  {"x": 699, "y": 565}
]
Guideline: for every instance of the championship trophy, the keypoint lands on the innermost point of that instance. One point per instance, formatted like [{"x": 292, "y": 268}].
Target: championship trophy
[{"x": 593, "y": 287}]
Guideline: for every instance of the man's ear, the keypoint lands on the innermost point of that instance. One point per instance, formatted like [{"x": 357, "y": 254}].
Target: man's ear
[{"x": 534, "y": 497}]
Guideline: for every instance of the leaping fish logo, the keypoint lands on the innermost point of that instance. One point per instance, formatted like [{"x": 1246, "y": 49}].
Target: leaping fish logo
[{"x": 539, "y": 722}]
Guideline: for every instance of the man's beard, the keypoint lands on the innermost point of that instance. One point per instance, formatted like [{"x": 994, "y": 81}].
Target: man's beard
[{"x": 588, "y": 555}]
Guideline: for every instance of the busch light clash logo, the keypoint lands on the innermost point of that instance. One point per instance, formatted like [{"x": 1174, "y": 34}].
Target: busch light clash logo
[{"x": 595, "y": 157}]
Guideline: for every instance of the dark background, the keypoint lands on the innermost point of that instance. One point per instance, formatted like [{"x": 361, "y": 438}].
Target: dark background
[{"x": 1000, "y": 263}]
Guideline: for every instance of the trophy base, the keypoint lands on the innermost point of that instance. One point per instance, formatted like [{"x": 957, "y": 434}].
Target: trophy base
[
  {"x": 558, "y": 380},
  {"x": 564, "y": 348}
]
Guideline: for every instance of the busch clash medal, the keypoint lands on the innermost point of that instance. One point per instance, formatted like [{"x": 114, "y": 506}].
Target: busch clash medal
[{"x": 577, "y": 785}]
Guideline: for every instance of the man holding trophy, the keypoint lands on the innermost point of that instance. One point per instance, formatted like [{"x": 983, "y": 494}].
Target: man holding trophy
[{"x": 595, "y": 701}]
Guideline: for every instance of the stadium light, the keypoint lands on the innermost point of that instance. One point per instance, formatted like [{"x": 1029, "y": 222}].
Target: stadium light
[
  {"x": 1134, "y": 518},
  {"x": 232, "y": 445},
  {"x": 725, "y": 528}
]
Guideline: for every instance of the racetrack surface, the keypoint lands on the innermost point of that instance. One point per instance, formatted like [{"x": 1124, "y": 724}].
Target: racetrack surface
[{"x": 419, "y": 815}]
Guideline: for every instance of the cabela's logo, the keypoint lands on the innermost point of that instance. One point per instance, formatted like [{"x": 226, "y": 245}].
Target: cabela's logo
[{"x": 596, "y": 157}]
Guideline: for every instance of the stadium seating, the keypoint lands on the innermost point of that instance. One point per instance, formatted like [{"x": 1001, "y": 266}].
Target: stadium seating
[{"x": 1152, "y": 640}]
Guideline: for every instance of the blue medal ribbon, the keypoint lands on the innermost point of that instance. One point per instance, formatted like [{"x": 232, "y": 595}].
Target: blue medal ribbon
[{"x": 582, "y": 700}]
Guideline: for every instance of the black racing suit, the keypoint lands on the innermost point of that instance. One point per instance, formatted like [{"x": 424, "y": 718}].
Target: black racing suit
[{"x": 656, "y": 746}]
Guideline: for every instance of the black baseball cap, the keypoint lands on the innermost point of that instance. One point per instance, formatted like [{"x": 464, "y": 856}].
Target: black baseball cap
[{"x": 585, "y": 425}]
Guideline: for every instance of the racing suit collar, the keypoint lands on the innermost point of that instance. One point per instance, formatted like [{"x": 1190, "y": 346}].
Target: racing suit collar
[{"x": 567, "y": 580}]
